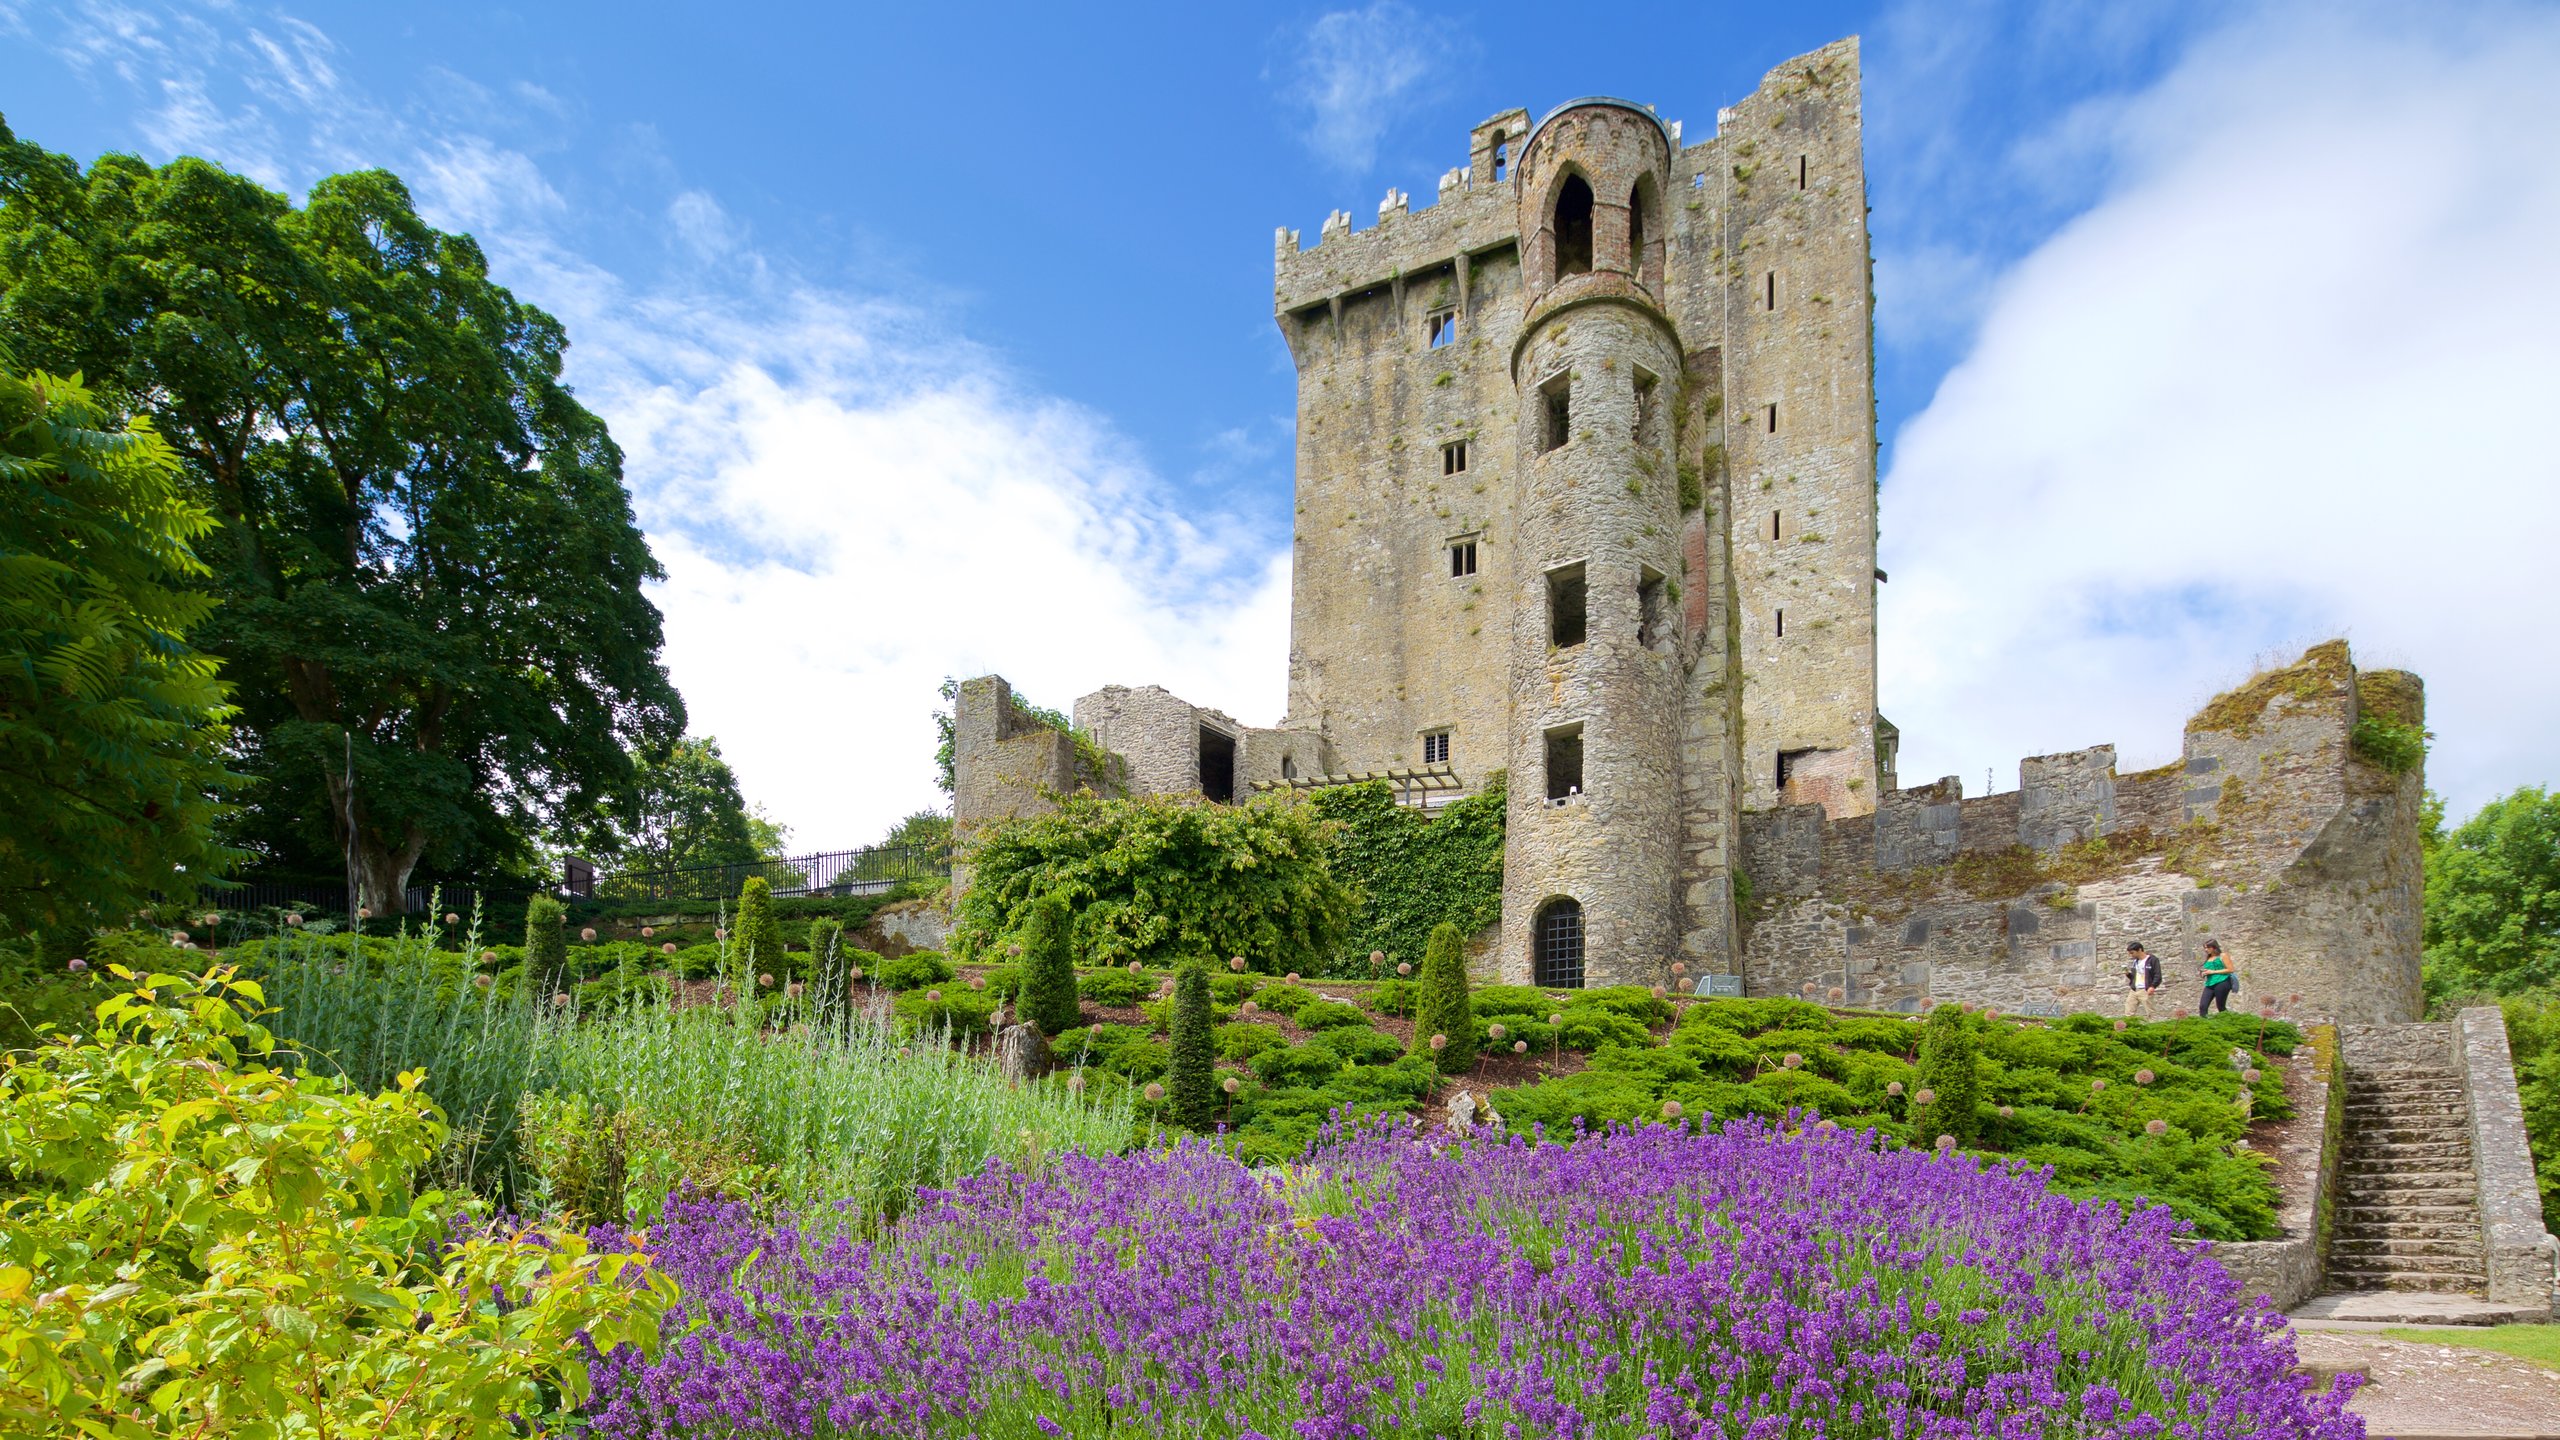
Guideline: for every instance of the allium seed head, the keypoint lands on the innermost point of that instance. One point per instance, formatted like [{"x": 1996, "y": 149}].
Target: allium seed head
[
  {"x": 933, "y": 997},
  {"x": 1075, "y": 1083},
  {"x": 1377, "y": 958},
  {"x": 1247, "y": 1008},
  {"x": 1657, "y": 992},
  {"x": 1496, "y": 1031},
  {"x": 667, "y": 949},
  {"x": 765, "y": 980},
  {"x": 1155, "y": 1091},
  {"x": 1439, "y": 1042},
  {"x": 293, "y": 919},
  {"x": 2155, "y": 1127},
  {"x": 1556, "y": 1019},
  {"x": 1519, "y": 1047},
  {"x": 2251, "y": 1076},
  {"x": 2098, "y": 1084},
  {"x": 1137, "y": 967},
  {"x": 2120, "y": 1026},
  {"x": 648, "y": 931},
  {"x": 1924, "y": 1096},
  {"x": 2143, "y": 1077},
  {"x": 1233, "y": 1085},
  {"x": 482, "y": 981},
  {"x": 488, "y": 957},
  {"x": 1293, "y": 977},
  {"x": 1404, "y": 967},
  {"x": 1670, "y": 1109},
  {"x": 2008, "y": 1114},
  {"x": 364, "y": 912},
  {"x": 1838, "y": 994},
  {"x": 1893, "y": 1087},
  {"x": 452, "y": 919},
  {"x": 977, "y": 982},
  {"x": 586, "y": 934},
  {"x": 1946, "y": 1143},
  {"x": 1236, "y": 963},
  {"x": 78, "y": 964},
  {"x": 1792, "y": 1060},
  {"x": 560, "y": 1000}
]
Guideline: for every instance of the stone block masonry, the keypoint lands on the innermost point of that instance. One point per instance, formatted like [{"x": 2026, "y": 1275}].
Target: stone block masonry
[
  {"x": 2520, "y": 1253},
  {"x": 2271, "y": 834}
]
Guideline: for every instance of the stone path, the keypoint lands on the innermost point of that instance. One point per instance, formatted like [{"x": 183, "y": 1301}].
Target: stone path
[{"x": 2423, "y": 1392}]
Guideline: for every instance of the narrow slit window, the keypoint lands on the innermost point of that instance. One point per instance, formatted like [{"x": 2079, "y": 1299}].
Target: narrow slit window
[
  {"x": 1646, "y": 389},
  {"x": 1635, "y": 231},
  {"x": 1782, "y": 624},
  {"x": 1653, "y": 612},
  {"x": 1564, "y": 762},
  {"x": 1773, "y": 290},
  {"x": 1556, "y": 420},
  {"x": 1568, "y": 607},
  {"x": 1773, "y": 524},
  {"x": 1698, "y": 181},
  {"x": 1441, "y": 329},
  {"x": 1800, "y": 172},
  {"x": 1462, "y": 559},
  {"x": 1773, "y": 417},
  {"x": 1453, "y": 458},
  {"x": 1435, "y": 748}
]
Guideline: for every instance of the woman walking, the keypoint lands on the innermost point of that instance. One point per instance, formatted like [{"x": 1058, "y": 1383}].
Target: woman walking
[{"x": 2219, "y": 981}]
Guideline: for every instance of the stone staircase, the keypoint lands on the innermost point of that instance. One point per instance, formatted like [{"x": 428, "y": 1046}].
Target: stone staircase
[{"x": 2408, "y": 1208}]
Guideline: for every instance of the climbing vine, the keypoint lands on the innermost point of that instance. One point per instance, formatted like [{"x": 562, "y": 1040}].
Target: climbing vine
[{"x": 1413, "y": 872}]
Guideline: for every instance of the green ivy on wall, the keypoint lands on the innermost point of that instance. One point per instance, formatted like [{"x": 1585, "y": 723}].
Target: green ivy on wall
[{"x": 1414, "y": 872}]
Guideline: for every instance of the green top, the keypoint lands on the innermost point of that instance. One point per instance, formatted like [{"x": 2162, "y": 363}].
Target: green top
[{"x": 2216, "y": 967}]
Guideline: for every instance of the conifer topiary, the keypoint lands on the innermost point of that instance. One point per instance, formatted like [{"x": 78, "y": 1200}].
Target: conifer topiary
[
  {"x": 1949, "y": 1074},
  {"x": 1191, "y": 1080},
  {"x": 826, "y": 933},
  {"x": 546, "y": 941},
  {"x": 1049, "y": 968},
  {"x": 758, "y": 932},
  {"x": 1443, "y": 1006}
]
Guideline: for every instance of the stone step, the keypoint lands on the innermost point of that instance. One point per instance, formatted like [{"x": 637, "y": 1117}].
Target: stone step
[
  {"x": 2407, "y": 1134},
  {"x": 2417, "y": 1113},
  {"x": 2348, "y": 1277},
  {"x": 2460, "y": 1232},
  {"x": 2465, "y": 1211},
  {"x": 2412, "y": 1204},
  {"x": 2448, "y": 1107},
  {"x": 2429, "y": 1171},
  {"x": 2368, "y": 1086},
  {"x": 2412, "y": 1151},
  {"x": 2359, "y": 1243}
]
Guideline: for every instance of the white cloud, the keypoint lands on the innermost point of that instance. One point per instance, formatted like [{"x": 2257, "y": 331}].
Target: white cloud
[
  {"x": 1357, "y": 70},
  {"x": 2290, "y": 376},
  {"x": 468, "y": 183}
]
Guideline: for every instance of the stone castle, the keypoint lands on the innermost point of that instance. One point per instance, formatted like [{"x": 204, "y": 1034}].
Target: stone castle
[{"x": 1586, "y": 495}]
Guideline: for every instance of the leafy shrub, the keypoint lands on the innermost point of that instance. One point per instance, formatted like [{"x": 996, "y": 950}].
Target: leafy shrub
[
  {"x": 598, "y": 1167},
  {"x": 1284, "y": 998},
  {"x": 249, "y": 1240},
  {"x": 698, "y": 962},
  {"x": 1158, "y": 879},
  {"x": 1359, "y": 1045},
  {"x": 1288, "y": 1066},
  {"x": 2533, "y": 1037},
  {"x": 1229, "y": 988},
  {"x": 1322, "y": 1014},
  {"x": 826, "y": 941},
  {"x": 1413, "y": 871},
  {"x": 1116, "y": 988},
  {"x": 1049, "y": 967},
  {"x": 1242, "y": 1041},
  {"x": 37, "y": 995},
  {"x": 1397, "y": 997},
  {"x": 1442, "y": 1009},
  {"x": 912, "y": 971},
  {"x": 1190, "y": 1081},
  {"x": 962, "y": 1010}
]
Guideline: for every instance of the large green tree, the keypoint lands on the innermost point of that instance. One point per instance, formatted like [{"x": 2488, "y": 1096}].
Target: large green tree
[
  {"x": 111, "y": 723},
  {"x": 2493, "y": 900},
  {"x": 684, "y": 810},
  {"x": 430, "y": 572}
]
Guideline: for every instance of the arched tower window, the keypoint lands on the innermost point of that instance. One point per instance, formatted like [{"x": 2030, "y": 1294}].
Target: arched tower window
[
  {"x": 1559, "y": 945},
  {"x": 1573, "y": 228},
  {"x": 1636, "y": 217}
]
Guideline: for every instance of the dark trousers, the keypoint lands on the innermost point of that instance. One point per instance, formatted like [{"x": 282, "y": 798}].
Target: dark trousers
[{"x": 2217, "y": 994}]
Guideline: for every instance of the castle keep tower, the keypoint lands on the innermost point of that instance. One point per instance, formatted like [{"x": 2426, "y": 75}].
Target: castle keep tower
[{"x": 1595, "y": 670}]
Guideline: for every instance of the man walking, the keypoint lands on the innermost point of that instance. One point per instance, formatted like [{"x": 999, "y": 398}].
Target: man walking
[
  {"x": 2141, "y": 978},
  {"x": 2219, "y": 981}
]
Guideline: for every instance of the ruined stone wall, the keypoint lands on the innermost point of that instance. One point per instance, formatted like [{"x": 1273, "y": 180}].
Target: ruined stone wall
[
  {"x": 2272, "y": 835},
  {"x": 1154, "y": 730},
  {"x": 1003, "y": 766}
]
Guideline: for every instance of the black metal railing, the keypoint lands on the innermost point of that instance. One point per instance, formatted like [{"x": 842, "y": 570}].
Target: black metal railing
[{"x": 833, "y": 873}]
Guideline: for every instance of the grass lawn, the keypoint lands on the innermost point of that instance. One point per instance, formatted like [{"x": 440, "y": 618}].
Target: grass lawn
[{"x": 2537, "y": 1343}]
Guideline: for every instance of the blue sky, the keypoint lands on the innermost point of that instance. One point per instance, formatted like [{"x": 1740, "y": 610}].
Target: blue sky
[{"x": 939, "y": 337}]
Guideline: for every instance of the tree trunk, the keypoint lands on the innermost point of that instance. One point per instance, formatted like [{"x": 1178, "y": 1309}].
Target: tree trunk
[{"x": 382, "y": 863}]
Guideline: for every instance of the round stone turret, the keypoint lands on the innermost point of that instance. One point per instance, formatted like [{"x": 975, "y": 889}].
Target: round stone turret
[{"x": 1591, "y": 877}]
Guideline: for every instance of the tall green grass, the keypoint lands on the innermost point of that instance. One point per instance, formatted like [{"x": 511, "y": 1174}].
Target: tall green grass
[
  {"x": 371, "y": 1009},
  {"x": 847, "y": 1107}
]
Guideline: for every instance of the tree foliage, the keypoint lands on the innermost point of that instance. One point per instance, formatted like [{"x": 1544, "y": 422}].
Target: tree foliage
[
  {"x": 1191, "y": 1091},
  {"x": 684, "y": 810},
  {"x": 1049, "y": 967},
  {"x": 111, "y": 723},
  {"x": 1443, "y": 1007},
  {"x": 1414, "y": 872},
  {"x": 1158, "y": 880},
  {"x": 201, "y": 1241},
  {"x": 2493, "y": 900},
  {"x": 431, "y": 574}
]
